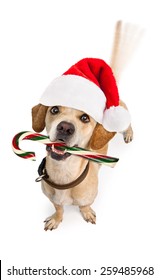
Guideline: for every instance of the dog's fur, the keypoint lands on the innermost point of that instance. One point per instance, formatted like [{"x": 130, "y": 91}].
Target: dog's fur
[{"x": 81, "y": 131}]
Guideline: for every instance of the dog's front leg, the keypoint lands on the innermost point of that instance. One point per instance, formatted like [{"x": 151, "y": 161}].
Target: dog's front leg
[
  {"x": 88, "y": 214},
  {"x": 53, "y": 221}
]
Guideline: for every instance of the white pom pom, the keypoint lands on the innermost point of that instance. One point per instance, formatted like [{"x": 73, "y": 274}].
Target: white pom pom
[{"x": 116, "y": 119}]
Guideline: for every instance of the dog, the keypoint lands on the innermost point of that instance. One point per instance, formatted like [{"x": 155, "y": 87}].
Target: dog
[{"x": 71, "y": 179}]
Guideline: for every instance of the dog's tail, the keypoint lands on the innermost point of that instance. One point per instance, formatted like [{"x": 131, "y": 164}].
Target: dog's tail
[{"x": 126, "y": 39}]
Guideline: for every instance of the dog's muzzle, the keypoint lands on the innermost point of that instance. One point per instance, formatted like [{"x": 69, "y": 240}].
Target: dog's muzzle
[{"x": 64, "y": 132}]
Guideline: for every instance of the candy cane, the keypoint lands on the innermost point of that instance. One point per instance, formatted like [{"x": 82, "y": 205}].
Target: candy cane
[{"x": 77, "y": 151}]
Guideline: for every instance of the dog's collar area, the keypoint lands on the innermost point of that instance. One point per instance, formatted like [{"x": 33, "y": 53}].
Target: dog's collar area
[{"x": 44, "y": 176}]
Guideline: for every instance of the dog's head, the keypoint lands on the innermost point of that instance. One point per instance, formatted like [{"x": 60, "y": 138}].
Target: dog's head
[{"x": 72, "y": 126}]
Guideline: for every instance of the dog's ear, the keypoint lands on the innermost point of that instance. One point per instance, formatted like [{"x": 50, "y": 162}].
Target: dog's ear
[
  {"x": 100, "y": 137},
  {"x": 38, "y": 117}
]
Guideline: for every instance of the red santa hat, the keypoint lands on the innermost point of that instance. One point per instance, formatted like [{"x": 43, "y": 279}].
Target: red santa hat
[{"x": 89, "y": 86}]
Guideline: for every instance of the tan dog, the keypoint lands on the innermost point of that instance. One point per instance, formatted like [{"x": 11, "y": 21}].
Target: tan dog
[{"x": 75, "y": 128}]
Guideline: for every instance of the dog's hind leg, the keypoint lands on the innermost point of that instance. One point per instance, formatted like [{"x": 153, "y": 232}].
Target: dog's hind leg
[
  {"x": 128, "y": 133},
  {"x": 88, "y": 214},
  {"x": 53, "y": 221}
]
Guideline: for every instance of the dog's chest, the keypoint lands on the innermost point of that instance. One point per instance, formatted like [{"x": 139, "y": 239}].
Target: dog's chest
[
  {"x": 62, "y": 197},
  {"x": 63, "y": 174}
]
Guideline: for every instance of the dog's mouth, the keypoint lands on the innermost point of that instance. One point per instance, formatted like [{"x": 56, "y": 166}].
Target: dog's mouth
[{"x": 58, "y": 154}]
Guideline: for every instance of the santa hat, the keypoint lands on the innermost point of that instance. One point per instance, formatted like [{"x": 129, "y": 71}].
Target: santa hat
[{"x": 89, "y": 86}]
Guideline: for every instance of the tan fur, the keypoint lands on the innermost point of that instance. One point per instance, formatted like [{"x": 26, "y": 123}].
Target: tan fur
[
  {"x": 87, "y": 135},
  {"x": 100, "y": 137},
  {"x": 38, "y": 117}
]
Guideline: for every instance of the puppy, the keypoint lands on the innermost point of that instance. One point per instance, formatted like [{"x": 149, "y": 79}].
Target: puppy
[{"x": 71, "y": 179}]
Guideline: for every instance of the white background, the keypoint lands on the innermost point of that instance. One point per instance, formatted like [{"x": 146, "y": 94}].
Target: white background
[{"x": 39, "y": 40}]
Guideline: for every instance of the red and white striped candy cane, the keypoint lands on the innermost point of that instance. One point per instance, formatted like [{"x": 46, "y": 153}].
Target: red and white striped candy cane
[{"x": 77, "y": 151}]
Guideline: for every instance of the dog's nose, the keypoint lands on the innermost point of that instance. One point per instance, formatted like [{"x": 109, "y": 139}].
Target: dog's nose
[{"x": 65, "y": 128}]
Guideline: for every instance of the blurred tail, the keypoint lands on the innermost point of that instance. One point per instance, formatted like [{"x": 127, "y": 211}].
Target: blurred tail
[{"x": 126, "y": 39}]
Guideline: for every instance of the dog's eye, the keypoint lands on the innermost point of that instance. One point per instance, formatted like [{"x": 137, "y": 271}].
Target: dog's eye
[
  {"x": 85, "y": 118},
  {"x": 54, "y": 110}
]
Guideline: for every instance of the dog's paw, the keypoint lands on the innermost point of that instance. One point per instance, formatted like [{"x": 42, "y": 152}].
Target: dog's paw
[
  {"x": 52, "y": 222},
  {"x": 88, "y": 214},
  {"x": 128, "y": 135}
]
